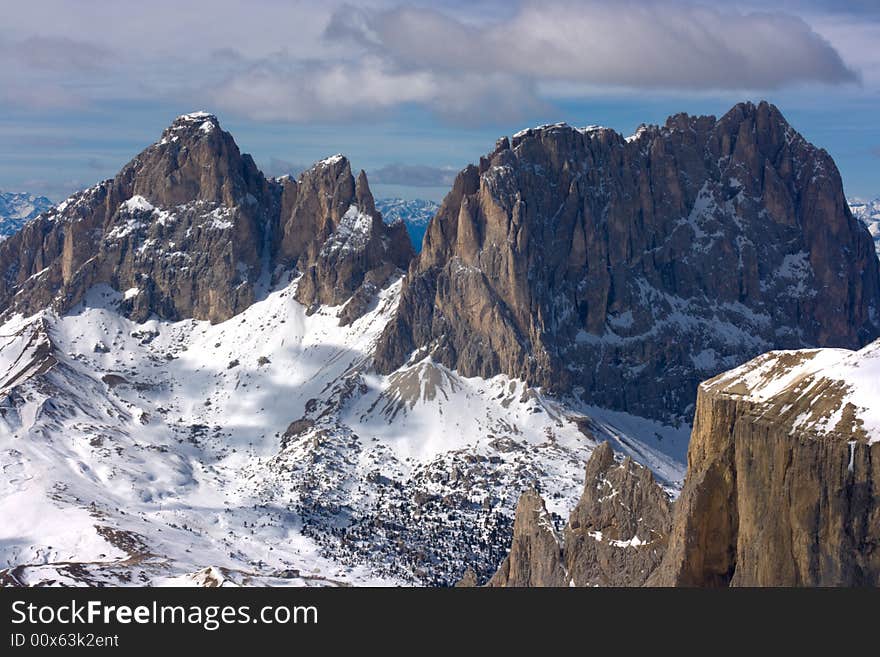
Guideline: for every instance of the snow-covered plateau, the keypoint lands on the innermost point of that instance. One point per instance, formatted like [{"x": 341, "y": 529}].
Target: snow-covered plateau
[{"x": 847, "y": 381}]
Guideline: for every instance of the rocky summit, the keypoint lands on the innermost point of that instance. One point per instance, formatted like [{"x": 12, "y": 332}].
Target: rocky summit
[
  {"x": 191, "y": 228},
  {"x": 331, "y": 231},
  {"x": 624, "y": 271}
]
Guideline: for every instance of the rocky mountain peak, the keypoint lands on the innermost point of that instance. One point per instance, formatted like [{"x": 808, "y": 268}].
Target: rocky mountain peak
[
  {"x": 536, "y": 557},
  {"x": 625, "y": 271},
  {"x": 188, "y": 127},
  {"x": 615, "y": 536},
  {"x": 191, "y": 228},
  {"x": 194, "y": 160},
  {"x": 363, "y": 196},
  {"x": 331, "y": 231}
]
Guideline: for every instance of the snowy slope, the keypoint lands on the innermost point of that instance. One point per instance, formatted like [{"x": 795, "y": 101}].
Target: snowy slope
[
  {"x": 830, "y": 390},
  {"x": 868, "y": 212},
  {"x": 261, "y": 450},
  {"x": 415, "y": 213},
  {"x": 17, "y": 209}
]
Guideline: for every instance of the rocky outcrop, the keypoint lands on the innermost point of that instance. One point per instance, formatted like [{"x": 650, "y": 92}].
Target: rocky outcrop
[
  {"x": 191, "y": 228},
  {"x": 179, "y": 230},
  {"x": 629, "y": 270},
  {"x": 535, "y": 557},
  {"x": 331, "y": 231},
  {"x": 615, "y": 536},
  {"x": 617, "y": 533},
  {"x": 783, "y": 476},
  {"x": 782, "y": 490}
]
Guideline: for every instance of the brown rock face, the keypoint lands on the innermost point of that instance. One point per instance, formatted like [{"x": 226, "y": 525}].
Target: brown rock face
[
  {"x": 615, "y": 536},
  {"x": 617, "y": 533},
  {"x": 331, "y": 231},
  {"x": 628, "y": 270},
  {"x": 535, "y": 557},
  {"x": 191, "y": 228},
  {"x": 782, "y": 489},
  {"x": 183, "y": 224}
]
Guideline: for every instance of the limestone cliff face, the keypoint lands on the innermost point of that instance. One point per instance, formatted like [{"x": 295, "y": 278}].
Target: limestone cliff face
[
  {"x": 629, "y": 270},
  {"x": 191, "y": 228},
  {"x": 615, "y": 536},
  {"x": 783, "y": 484},
  {"x": 617, "y": 533},
  {"x": 782, "y": 489}
]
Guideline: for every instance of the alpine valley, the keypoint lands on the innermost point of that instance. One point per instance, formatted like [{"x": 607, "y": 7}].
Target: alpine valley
[{"x": 614, "y": 360}]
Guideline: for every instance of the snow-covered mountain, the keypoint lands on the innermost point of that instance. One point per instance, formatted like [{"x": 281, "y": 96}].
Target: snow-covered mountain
[
  {"x": 210, "y": 377},
  {"x": 869, "y": 212},
  {"x": 415, "y": 213},
  {"x": 155, "y": 431},
  {"x": 264, "y": 450},
  {"x": 16, "y": 209}
]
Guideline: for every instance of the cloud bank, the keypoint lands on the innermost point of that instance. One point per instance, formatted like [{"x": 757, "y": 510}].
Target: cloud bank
[
  {"x": 643, "y": 44},
  {"x": 467, "y": 64},
  {"x": 469, "y": 72}
]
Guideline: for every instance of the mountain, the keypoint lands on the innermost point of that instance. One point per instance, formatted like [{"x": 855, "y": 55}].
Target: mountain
[
  {"x": 615, "y": 536},
  {"x": 190, "y": 228},
  {"x": 211, "y": 377},
  {"x": 781, "y": 490},
  {"x": 415, "y": 213},
  {"x": 624, "y": 271},
  {"x": 869, "y": 213},
  {"x": 17, "y": 209},
  {"x": 187, "y": 392},
  {"x": 783, "y": 479}
]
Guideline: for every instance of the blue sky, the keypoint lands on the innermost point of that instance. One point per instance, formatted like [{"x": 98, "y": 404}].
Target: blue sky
[{"x": 413, "y": 91}]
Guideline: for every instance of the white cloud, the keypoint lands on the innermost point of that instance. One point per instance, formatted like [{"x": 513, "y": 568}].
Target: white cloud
[
  {"x": 636, "y": 43},
  {"x": 303, "y": 61},
  {"x": 316, "y": 91},
  {"x": 858, "y": 42}
]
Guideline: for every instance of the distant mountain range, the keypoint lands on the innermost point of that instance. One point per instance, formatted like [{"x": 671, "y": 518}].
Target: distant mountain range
[
  {"x": 869, "y": 212},
  {"x": 415, "y": 213},
  {"x": 17, "y": 209}
]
